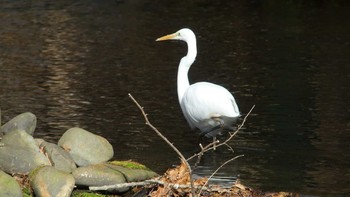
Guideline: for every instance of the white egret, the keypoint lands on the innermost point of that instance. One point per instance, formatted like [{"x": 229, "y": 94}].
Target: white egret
[{"x": 209, "y": 107}]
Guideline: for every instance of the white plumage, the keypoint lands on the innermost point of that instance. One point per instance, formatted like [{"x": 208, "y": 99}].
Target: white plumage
[{"x": 206, "y": 106}]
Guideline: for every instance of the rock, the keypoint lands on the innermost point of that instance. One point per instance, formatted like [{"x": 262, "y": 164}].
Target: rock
[
  {"x": 59, "y": 158},
  {"x": 20, "y": 153},
  {"x": 85, "y": 147},
  {"x": 20, "y": 138},
  {"x": 25, "y": 121},
  {"x": 132, "y": 171},
  {"x": 9, "y": 186},
  {"x": 98, "y": 175},
  {"x": 48, "y": 181},
  {"x": 39, "y": 141},
  {"x": 19, "y": 160}
]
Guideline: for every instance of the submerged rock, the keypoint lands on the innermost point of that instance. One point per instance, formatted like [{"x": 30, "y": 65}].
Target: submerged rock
[
  {"x": 59, "y": 158},
  {"x": 25, "y": 121},
  {"x": 85, "y": 147},
  {"x": 9, "y": 186},
  {"x": 98, "y": 175},
  {"x": 48, "y": 181},
  {"x": 19, "y": 160}
]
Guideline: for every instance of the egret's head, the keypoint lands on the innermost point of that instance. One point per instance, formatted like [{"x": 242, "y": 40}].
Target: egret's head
[{"x": 184, "y": 34}]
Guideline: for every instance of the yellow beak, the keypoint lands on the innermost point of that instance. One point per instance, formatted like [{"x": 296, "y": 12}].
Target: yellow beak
[{"x": 167, "y": 37}]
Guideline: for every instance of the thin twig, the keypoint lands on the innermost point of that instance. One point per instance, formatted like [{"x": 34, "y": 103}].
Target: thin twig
[
  {"x": 119, "y": 185},
  {"x": 200, "y": 191},
  {"x": 210, "y": 146},
  {"x": 151, "y": 182},
  {"x": 240, "y": 126},
  {"x": 229, "y": 148},
  {"x": 199, "y": 156},
  {"x": 168, "y": 142}
]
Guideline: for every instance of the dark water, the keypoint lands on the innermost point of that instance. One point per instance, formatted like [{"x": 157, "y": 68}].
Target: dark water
[{"x": 74, "y": 63}]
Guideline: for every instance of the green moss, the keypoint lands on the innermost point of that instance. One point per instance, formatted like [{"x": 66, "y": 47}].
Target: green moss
[
  {"x": 33, "y": 172},
  {"x": 129, "y": 164},
  {"x": 26, "y": 192},
  {"x": 26, "y": 195},
  {"x": 78, "y": 193}
]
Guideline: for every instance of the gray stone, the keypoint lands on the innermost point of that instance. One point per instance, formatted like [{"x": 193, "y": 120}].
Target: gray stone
[
  {"x": 132, "y": 175},
  {"x": 85, "y": 147},
  {"x": 25, "y": 121},
  {"x": 59, "y": 158},
  {"x": 20, "y": 138},
  {"x": 19, "y": 160},
  {"x": 98, "y": 175},
  {"x": 9, "y": 186},
  {"x": 39, "y": 141},
  {"x": 48, "y": 181}
]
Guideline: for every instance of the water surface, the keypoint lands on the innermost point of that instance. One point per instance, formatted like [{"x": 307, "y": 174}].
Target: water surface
[{"x": 74, "y": 63}]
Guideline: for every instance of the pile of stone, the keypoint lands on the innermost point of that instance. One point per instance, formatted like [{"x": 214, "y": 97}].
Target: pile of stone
[{"x": 80, "y": 158}]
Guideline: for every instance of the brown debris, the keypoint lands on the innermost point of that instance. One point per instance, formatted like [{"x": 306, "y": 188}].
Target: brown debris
[
  {"x": 177, "y": 183},
  {"x": 178, "y": 175},
  {"x": 22, "y": 179}
]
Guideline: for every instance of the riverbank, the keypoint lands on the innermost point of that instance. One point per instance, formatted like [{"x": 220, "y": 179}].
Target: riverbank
[{"x": 79, "y": 164}]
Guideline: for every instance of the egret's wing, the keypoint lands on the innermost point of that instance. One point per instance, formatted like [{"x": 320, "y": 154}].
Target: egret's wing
[
  {"x": 205, "y": 100},
  {"x": 188, "y": 117}
]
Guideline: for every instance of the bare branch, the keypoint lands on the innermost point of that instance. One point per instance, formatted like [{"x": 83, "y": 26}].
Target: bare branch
[
  {"x": 229, "y": 148},
  {"x": 152, "y": 182},
  {"x": 199, "y": 156},
  {"x": 119, "y": 185},
  {"x": 240, "y": 126},
  {"x": 168, "y": 142}
]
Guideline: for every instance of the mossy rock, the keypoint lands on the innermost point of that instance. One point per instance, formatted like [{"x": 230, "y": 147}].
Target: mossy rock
[
  {"x": 99, "y": 175},
  {"x": 131, "y": 170},
  {"x": 9, "y": 186},
  {"x": 48, "y": 181}
]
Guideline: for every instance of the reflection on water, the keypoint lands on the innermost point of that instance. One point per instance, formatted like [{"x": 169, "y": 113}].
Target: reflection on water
[
  {"x": 61, "y": 56},
  {"x": 73, "y": 64}
]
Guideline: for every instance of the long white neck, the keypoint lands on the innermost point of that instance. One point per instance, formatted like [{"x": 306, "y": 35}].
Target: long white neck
[{"x": 184, "y": 66}]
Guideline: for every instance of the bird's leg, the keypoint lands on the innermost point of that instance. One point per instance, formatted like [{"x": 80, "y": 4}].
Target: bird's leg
[
  {"x": 218, "y": 124},
  {"x": 214, "y": 143}
]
